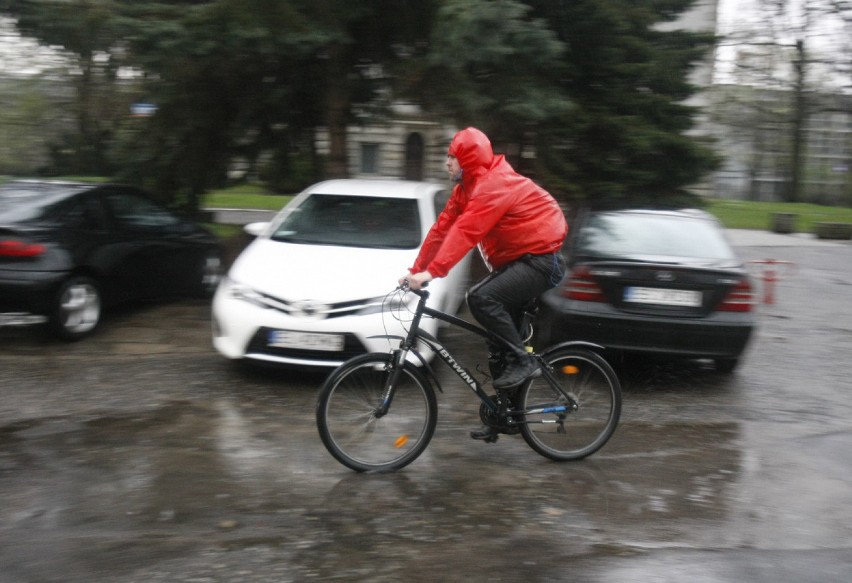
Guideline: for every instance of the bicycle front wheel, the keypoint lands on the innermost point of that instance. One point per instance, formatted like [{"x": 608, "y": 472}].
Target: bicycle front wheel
[
  {"x": 572, "y": 434},
  {"x": 349, "y": 420}
]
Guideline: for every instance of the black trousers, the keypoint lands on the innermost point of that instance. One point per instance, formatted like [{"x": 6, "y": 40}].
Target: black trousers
[{"x": 497, "y": 300}]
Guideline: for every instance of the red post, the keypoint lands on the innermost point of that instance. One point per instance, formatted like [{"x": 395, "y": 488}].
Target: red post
[
  {"x": 770, "y": 276},
  {"x": 771, "y": 273}
]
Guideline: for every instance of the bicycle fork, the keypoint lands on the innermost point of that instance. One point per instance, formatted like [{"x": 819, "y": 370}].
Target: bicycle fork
[{"x": 397, "y": 362}]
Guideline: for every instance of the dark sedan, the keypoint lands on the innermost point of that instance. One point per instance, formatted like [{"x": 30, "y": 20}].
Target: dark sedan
[
  {"x": 654, "y": 282},
  {"x": 67, "y": 250}
]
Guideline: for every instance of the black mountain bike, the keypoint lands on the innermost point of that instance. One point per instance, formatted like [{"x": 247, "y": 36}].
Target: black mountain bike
[{"x": 378, "y": 411}]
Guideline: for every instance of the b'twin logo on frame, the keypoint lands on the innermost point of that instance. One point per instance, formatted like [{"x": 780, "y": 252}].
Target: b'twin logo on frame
[{"x": 457, "y": 367}]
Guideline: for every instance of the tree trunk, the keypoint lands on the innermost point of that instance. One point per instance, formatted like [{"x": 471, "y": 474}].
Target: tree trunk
[
  {"x": 337, "y": 108},
  {"x": 794, "y": 191}
]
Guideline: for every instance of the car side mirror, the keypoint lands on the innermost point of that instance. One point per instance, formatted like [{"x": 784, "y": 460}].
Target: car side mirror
[{"x": 255, "y": 229}]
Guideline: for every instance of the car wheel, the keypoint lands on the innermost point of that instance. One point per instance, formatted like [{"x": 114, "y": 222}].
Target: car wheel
[
  {"x": 78, "y": 308},
  {"x": 209, "y": 274},
  {"x": 726, "y": 365}
]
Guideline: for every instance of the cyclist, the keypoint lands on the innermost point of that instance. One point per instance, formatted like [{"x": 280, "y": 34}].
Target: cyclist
[{"x": 519, "y": 229}]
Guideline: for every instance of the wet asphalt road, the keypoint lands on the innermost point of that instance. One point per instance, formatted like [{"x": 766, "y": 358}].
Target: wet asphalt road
[{"x": 141, "y": 455}]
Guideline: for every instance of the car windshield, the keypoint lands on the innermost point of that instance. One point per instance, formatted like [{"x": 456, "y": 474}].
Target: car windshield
[
  {"x": 626, "y": 235},
  {"x": 352, "y": 221}
]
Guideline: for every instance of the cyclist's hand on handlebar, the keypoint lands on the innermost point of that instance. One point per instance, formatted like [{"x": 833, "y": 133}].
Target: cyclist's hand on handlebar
[{"x": 415, "y": 281}]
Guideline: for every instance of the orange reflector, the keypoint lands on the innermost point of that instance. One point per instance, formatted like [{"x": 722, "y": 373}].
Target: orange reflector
[
  {"x": 400, "y": 441},
  {"x": 570, "y": 369}
]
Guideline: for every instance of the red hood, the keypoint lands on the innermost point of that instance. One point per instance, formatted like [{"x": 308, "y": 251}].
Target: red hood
[{"x": 473, "y": 150}]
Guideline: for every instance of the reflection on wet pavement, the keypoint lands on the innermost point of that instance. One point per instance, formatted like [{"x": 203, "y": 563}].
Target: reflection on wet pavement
[
  {"x": 187, "y": 479},
  {"x": 140, "y": 456}
]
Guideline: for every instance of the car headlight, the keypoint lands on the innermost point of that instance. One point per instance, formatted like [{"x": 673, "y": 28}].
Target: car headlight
[{"x": 240, "y": 291}]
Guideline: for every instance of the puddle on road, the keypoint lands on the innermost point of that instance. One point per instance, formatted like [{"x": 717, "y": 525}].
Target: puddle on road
[
  {"x": 122, "y": 494},
  {"x": 221, "y": 477}
]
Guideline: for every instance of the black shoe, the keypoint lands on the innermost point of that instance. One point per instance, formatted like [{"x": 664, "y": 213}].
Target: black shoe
[
  {"x": 486, "y": 433},
  {"x": 517, "y": 372}
]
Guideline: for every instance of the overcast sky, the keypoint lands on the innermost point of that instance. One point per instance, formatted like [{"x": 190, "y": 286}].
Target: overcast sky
[
  {"x": 755, "y": 21},
  {"x": 22, "y": 56}
]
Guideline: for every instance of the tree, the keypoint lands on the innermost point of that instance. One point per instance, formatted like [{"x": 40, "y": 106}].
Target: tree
[
  {"x": 32, "y": 113},
  {"x": 798, "y": 53},
  {"x": 626, "y": 136},
  {"x": 225, "y": 77},
  {"x": 264, "y": 73},
  {"x": 84, "y": 28},
  {"x": 588, "y": 92},
  {"x": 592, "y": 87},
  {"x": 233, "y": 77},
  {"x": 360, "y": 47},
  {"x": 491, "y": 64}
]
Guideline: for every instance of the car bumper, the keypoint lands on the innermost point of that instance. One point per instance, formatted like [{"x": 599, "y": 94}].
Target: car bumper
[
  {"x": 720, "y": 335},
  {"x": 26, "y": 296},
  {"x": 241, "y": 330}
]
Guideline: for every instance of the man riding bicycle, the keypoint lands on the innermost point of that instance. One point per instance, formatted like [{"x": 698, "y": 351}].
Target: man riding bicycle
[{"x": 519, "y": 229}]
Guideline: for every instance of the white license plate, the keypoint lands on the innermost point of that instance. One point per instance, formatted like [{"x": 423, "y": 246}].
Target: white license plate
[
  {"x": 663, "y": 297},
  {"x": 305, "y": 340}
]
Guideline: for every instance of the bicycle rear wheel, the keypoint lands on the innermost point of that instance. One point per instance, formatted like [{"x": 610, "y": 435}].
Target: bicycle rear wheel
[
  {"x": 573, "y": 434},
  {"x": 355, "y": 434}
]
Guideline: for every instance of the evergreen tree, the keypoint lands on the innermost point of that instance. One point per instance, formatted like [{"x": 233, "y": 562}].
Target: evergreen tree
[
  {"x": 594, "y": 88},
  {"x": 232, "y": 78},
  {"x": 491, "y": 65},
  {"x": 625, "y": 138}
]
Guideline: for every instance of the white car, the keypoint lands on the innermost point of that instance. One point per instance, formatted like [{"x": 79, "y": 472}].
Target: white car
[{"x": 309, "y": 290}]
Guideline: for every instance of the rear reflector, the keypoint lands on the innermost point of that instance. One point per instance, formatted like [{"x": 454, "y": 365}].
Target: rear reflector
[
  {"x": 13, "y": 248},
  {"x": 740, "y": 298},
  {"x": 581, "y": 286}
]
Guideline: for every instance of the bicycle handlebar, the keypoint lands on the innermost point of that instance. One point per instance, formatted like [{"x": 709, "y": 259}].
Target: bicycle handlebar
[{"x": 419, "y": 292}]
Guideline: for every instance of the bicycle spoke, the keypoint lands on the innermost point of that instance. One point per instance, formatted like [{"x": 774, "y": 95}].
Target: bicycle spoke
[
  {"x": 573, "y": 433},
  {"x": 351, "y": 428}
]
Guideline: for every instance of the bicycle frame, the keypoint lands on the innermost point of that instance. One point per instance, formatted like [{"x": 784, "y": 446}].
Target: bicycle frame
[
  {"x": 414, "y": 333},
  {"x": 568, "y": 414}
]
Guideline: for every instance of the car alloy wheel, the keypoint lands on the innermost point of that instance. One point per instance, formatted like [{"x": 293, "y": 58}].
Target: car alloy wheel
[{"x": 78, "y": 308}]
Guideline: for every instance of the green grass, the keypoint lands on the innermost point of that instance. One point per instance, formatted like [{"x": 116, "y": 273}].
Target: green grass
[
  {"x": 733, "y": 214},
  {"x": 246, "y": 196},
  {"x": 738, "y": 214}
]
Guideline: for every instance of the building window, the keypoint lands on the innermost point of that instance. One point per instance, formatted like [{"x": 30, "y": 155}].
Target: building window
[
  {"x": 414, "y": 157},
  {"x": 369, "y": 158}
]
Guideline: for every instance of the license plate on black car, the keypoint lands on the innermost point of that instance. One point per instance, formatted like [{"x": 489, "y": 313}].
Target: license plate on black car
[{"x": 663, "y": 297}]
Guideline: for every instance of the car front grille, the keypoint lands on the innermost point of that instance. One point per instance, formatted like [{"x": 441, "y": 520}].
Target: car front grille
[{"x": 317, "y": 310}]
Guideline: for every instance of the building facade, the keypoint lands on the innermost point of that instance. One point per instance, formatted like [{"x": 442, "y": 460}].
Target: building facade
[{"x": 407, "y": 145}]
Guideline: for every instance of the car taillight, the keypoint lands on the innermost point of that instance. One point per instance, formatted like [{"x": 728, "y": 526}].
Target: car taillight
[
  {"x": 582, "y": 287},
  {"x": 740, "y": 298},
  {"x": 13, "y": 248}
]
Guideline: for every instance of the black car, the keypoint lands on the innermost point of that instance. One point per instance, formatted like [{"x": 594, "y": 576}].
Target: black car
[
  {"x": 654, "y": 282},
  {"x": 67, "y": 250}
]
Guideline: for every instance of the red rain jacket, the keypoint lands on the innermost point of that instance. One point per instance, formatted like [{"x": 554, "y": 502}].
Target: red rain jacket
[{"x": 506, "y": 214}]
